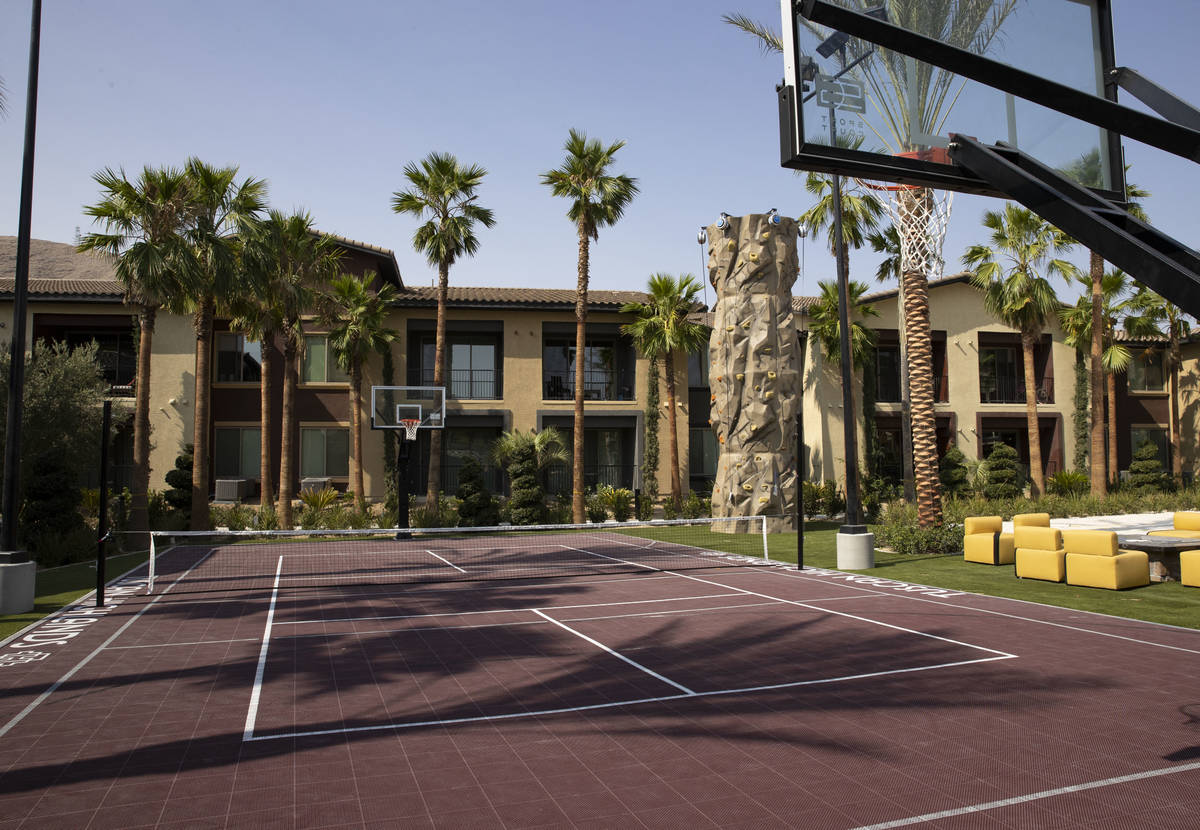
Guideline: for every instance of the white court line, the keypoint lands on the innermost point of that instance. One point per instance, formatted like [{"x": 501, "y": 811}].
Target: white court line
[
  {"x": 447, "y": 561},
  {"x": 735, "y": 593},
  {"x": 615, "y": 704},
  {"x": 611, "y": 558},
  {"x": 1024, "y": 799},
  {"x": 38, "y": 700},
  {"x": 935, "y": 601},
  {"x": 614, "y": 653},
  {"x": 256, "y": 691}
]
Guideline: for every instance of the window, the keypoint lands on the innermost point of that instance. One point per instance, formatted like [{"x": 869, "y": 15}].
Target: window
[
  {"x": 238, "y": 360},
  {"x": 237, "y": 452},
  {"x": 472, "y": 369},
  {"x": 887, "y": 374},
  {"x": 1154, "y": 435},
  {"x": 1001, "y": 375},
  {"x": 607, "y": 369},
  {"x": 702, "y": 452},
  {"x": 697, "y": 368},
  {"x": 324, "y": 452},
  {"x": 1146, "y": 371},
  {"x": 319, "y": 364}
]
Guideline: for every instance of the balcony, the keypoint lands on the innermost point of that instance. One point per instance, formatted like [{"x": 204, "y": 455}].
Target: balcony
[
  {"x": 1011, "y": 390},
  {"x": 597, "y": 386},
  {"x": 462, "y": 384}
]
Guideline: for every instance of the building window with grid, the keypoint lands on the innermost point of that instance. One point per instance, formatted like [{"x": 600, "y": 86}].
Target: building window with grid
[
  {"x": 320, "y": 364},
  {"x": 238, "y": 360},
  {"x": 237, "y": 452},
  {"x": 607, "y": 369},
  {"x": 324, "y": 452},
  {"x": 472, "y": 369},
  {"x": 1146, "y": 371}
]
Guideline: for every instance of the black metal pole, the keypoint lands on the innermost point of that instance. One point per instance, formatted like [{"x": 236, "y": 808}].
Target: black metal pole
[
  {"x": 16, "y": 377},
  {"x": 800, "y": 483},
  {"x": 850, "y": 425},
  {"x": 102, "y": 523},
  {"x": 402, "y": 484}
]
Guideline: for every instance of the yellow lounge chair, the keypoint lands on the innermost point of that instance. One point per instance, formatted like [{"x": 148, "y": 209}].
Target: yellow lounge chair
[
  {"x": 1031, "y": 520},
  {"x": 984, "y": 543},
  {"x": 1189, "y": 568},
  {"x": 1186, "y": 526},
  {"x": 1093, "y": 560},
  {"x": 1039, "y": 553}
]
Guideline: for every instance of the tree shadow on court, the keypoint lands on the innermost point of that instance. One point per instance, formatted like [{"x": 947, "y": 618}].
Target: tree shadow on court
[{"x": 809, "y": 678}]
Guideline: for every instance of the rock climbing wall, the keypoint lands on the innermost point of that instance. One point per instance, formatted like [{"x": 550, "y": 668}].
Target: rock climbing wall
[{"x": 755, "y": 372}]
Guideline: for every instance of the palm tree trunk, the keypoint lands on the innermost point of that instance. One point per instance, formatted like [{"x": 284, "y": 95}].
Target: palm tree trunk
[
  {"x": 906, "y": 450},
  {"x": 287, "y": 444},
  {"x": 1031, "y": 416},
  {"x": 1176, "y": 447},
  {"x": 265, "y": 467},
  {"x": 433, "y": 484},
  {"x": 915, "y": 286},
  {"x": 139, "y": 517},
  {"x": 581, "y": 291},
  {"x": 356, "y": 473},
  {"x": 1098, "y": 478},
  {"x": 673, "y": 431},
  {"x": 1112, "y": 427},
  {"x": 202, "y": 421}
]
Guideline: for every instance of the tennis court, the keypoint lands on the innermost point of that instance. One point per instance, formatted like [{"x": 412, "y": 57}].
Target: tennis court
[{"x": 730, "y": 696}]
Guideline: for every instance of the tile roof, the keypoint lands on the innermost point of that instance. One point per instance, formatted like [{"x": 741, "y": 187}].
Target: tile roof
[
  {"x": 56, "y": 269},
  {"x": 466, "y": 296}
]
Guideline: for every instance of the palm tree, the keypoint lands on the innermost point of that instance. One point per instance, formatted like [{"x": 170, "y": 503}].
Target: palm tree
[
  {"x": 923, "y": 96},
  {"x": 548, "y": 447},
  {"x": 297, "y": 262},
  {"x": 1088, "y": 170},
  {"x": 222, "y": 212},
  {"x": 598, "y": 199},
  {"x": 1154, "y": 313},
  {"x": 662, "y": 330},
  {"x": 1019, "y": 296},
  {"x": 826, "y": 328},
  {"x": 444, "y": 190},
  {"x": 357, "y": 317},
  {"x": 144, "y": 222}
]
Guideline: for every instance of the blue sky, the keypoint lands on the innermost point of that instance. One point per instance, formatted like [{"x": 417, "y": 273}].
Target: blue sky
[{"x": 328, "y": 102}]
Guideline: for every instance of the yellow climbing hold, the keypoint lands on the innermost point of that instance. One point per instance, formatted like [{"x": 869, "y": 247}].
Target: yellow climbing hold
[
  {"x": 731, "y": 245},
  {"x": 771, "y": 375},
  {"x": 763, "y": 499},
  {"x": 753, "y": 256},
  {"x": 768, "y": 394},
  {"x": 740, "y": 376},
  {"x": 758, "y": 459},
  {"x": 729, "y": 328},
  {"x": 746, "y": 325},
  {"x": 766, "y": 235},
  {"x": 749, "y": 488}
]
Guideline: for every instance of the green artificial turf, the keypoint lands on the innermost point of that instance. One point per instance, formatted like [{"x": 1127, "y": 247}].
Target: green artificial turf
[{"x": 56, "y": 587}]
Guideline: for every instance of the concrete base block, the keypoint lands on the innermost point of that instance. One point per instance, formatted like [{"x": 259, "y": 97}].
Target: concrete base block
[
  {"x": 16, "y": 587},
  {"x": 855, "y": 551}
]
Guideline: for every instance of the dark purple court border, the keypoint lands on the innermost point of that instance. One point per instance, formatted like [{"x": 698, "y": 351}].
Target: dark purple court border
[{"x": 757, "y": 697}]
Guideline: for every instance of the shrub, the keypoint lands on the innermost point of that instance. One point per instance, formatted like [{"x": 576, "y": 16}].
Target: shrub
[
  {"x": 51, "y": 498},
  {"x": 1003, "y": 475},
  {"x": 812, "y": 498},
  {"x": 645, "y": 508},
  {"x": 54, "y": 548},
  {"x": 912, "y": 540},
  {"x": 1067, "y": 483},
  {"x": 179, "y": 495},
  {"x": 696, "y": 506},
  {"x": 670, "y": 511},
  {"x": 1146, "y": 471},
  {"x": 476, "y": 506},
  {"x": 266, "y": 519},
  {"x": 618, "y": 500},
  {"x": 442, "y": 514},
  {"x": 596, "y": 509},
  {"x": 952, "y": 469},
  {"x": 875, "y": 491},
  {"x": 315, "y": 504},
  {"x": 832, "y": 502},
  {"x": 559, "y": 512},
  {"x": 89, "y": 503},
  {"x": 527, "y": 504}
]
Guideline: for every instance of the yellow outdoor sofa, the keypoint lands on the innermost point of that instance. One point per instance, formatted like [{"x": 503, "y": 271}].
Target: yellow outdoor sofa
[
  {"x": 1189, "y": 568},
  {"x": 1186, "y": 525},
  {"x": 1039, "y": 553},
  {"x": 984, "y": 542},
  {"x": 1093, "y": 560}
]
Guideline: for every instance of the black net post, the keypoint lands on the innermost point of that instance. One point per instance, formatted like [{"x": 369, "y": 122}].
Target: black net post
[
  {"x": 102, "y": 522},
  {"x": 402, "y": 454}
]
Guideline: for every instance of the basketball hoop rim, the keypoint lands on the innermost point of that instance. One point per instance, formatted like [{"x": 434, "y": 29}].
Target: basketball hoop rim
[{"x": 410, "y": 427}]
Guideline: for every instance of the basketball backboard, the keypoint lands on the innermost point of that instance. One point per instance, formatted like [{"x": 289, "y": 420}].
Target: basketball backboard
[
  {"x": 391, "y": 406},
  {"x": 855, "y": 108}
]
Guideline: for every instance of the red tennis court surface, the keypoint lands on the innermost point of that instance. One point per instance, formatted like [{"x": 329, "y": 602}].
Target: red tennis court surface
[{"x": 757, "y": 697}]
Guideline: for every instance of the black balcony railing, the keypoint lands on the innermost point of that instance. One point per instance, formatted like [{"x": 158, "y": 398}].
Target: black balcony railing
[
  {"x": 464, "y": 383},
  {"x": 597, "y": 386},
  {"x": 558, "y": 479},
  {"x": 1012, "y": 390}
]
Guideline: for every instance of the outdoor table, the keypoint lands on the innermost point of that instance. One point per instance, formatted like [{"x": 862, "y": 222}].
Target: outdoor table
[{"x": 1163, "y": 552}]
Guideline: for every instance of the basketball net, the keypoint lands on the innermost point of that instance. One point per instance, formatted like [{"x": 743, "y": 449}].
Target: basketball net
[
  {"x": 921, "y": 216},
  {"x": 410, "y": 425}
]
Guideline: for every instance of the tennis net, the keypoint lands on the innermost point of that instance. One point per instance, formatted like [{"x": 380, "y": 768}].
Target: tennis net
[{"x": 254, "y": 560}]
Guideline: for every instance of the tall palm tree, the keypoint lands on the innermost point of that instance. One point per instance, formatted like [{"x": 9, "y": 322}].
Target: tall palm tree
[
  {"x": 444, "y": 190},
  {"x": 662, "y": 330},
  {"x": 1088, "y": 170},
  {"x": 913, "y": 103},
  {"x": 298, "y": 261},
  {"x": 223, "y": 211},
  {"x": 357, "y": 317},
  {"x": 548, "y": 447},
  {"x": 826, "y": 328},
  {"x": 598, "y": 199},
  {"x": 144, "y": 222},
  {"x": 1154, "y": 313},
  {"x": 1017, "y": 294}
]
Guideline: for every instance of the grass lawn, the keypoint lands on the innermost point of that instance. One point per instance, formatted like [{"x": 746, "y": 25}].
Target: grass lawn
[
  {"x": 1163, "y": 602},
  {"x": 56, "y": 587}
]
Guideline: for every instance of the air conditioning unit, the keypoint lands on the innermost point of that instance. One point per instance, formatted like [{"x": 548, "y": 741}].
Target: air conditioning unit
[
  {"x": 233, "y": 489},
  {"x": 314, "y": 484}
]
